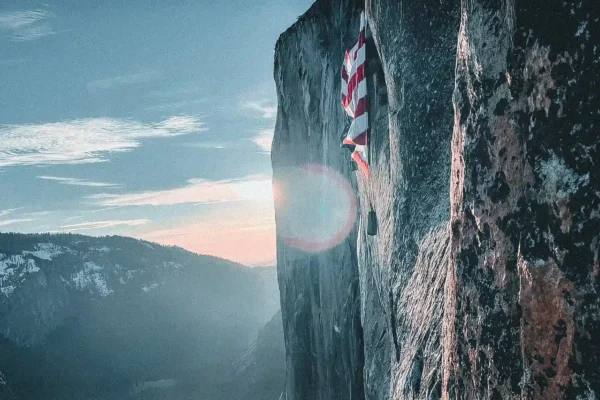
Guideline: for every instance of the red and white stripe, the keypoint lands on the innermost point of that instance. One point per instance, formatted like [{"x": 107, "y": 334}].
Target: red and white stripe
[
  {"x": 354, "y": 97},
  {"x": 360, "y": 156}
]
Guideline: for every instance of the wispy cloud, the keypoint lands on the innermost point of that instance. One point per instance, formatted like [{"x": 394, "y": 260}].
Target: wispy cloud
[
  {"x": 264, "y": 139},
  {"x": 14, "y": 221},
  {"x": 26, "y": 25},
  {"x": 77, "y": 181},
  {"x": 83, "y": 140},
  {"x": 185, "y": 88},
  {"x": 198, "y": 191},
  {"x": 122, "y": 80},
  {"x": 8, "y": 211},
  {"x": 19, "y": 19},
  {"x": 99, "y": 210},
  {"x": 267, "y": 109},
  {"x": 104, "y": 224},
  {"x": 176, "y": 105},
  {"x": 206, "y": 145},
  {"x": 182, "y": 124},
  {"x": 21, "y": 217},
  {"x": 38, "y": 214}
]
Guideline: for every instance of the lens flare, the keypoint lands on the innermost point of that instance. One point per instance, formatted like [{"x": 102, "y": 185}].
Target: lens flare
[
  {"x": 256, "y": 190},
  {"x": 316, "y": 207}
]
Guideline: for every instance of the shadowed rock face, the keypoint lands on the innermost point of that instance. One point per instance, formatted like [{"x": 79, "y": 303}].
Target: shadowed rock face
[
  {"x": 319, "y": 292},
  {"x": 523, "y": 317},
  {"x": 482, "y": 280}
]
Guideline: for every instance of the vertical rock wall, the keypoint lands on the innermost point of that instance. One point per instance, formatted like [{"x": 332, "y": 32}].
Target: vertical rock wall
[
  {"x": 523, "y": 317},
  {"x": 319, "y": 291},
  {"x": 482, "y": 279},
  {"x": 402, "y": 269},
  {"x": 395, "y": 345}
]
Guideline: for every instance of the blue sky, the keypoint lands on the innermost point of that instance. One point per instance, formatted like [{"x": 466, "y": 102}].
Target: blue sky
[{"x": 150, "y": 119}]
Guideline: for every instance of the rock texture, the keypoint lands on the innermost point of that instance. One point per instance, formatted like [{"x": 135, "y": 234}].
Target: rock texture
[
  {"x": 261, "y": 371},
  {"x": 320, "y": 300},
  {"x": 482, "y": 281},
  {"x": 523, "y": 307}
]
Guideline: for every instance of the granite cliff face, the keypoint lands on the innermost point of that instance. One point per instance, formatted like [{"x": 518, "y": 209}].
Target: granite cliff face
[
  {"x": 523, "y": 306},
  {"x": 482, "y": 281}
]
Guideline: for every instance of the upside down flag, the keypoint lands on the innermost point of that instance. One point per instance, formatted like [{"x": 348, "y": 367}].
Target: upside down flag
[{"x": 354, "y": 98}]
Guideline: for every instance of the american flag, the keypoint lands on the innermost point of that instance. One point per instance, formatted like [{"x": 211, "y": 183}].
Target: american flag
[{"x": 354, "y": 99}]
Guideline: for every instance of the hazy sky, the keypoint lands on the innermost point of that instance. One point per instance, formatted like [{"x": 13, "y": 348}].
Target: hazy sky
[{"x": 150, "y": 119}]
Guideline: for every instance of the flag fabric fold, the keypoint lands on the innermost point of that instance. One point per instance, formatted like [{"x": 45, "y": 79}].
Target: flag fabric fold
[{"x": 354, "y": 98}]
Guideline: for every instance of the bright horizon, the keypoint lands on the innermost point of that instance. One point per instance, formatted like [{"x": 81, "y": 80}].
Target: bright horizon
[{"x": 153, "y": 122}]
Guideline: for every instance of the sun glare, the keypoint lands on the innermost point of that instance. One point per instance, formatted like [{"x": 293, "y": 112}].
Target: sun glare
[
  {"x": 260, "y": 191},
  {"x": 316, "y": 206}
]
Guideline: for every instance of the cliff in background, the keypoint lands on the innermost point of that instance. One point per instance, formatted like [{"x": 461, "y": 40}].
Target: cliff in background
[
  {"x": 483, "y": 279},
  {"x": 121, "y": 319}
]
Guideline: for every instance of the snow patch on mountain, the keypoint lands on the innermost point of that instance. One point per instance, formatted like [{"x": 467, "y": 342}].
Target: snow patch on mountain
[
  {"x": 172, "y": 264},
  {"x": 13, "y": 271},
  {"x": 133, "y": 272},
  {"x": 7, "y": 290},
  {"x": 102, "y": 249},
  {"x": 91, "y": 276},
  {"x": 46, "y": 251},
  {"x": 147, "y": 288}
]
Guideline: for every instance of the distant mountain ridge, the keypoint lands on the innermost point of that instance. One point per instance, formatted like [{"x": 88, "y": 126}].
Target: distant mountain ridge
[{"x": 81, "y": 314}]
